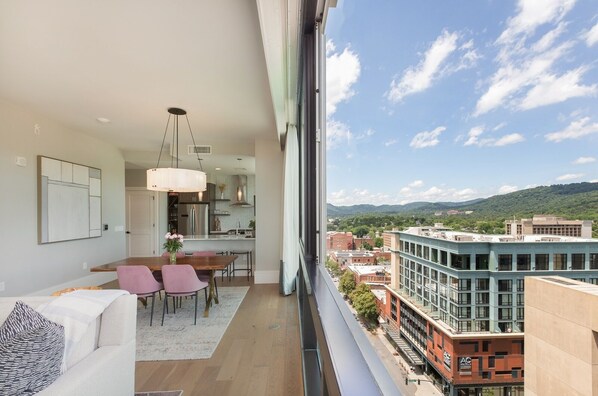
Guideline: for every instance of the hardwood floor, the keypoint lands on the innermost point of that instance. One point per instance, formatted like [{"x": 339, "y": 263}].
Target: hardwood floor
[{"x": 259, "y": 354}]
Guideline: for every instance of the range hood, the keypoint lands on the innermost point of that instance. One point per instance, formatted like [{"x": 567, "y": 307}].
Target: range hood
[{"x": 240, "y": 198}]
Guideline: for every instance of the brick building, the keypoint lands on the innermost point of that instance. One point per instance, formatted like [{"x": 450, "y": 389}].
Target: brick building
[{"x": 339, "y": 240}]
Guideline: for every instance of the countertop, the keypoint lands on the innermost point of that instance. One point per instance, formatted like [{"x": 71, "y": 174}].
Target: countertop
[{"x": 217, "y": 238}]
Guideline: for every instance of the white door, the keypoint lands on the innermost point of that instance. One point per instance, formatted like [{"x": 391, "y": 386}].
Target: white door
[{"x": 141, "y": 224}]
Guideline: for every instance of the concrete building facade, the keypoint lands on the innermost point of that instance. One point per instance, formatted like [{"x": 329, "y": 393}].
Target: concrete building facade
[
  {"x": 457, "y": 299},
  {"x": 561, "y": 337},
  {"x": 549, "y": 225}
]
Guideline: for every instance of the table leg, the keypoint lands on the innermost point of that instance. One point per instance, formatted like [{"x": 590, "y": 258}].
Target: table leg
[{"x": 211, "y": 294}]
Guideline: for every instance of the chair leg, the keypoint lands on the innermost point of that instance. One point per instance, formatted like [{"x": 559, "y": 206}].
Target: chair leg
[
  {"x": 195, "y": 320},
  {"x": 174, "y": 301},
  {"x": 152, "y": 314},
  {"x": 216, "y": 287},
  {"x": 205, "y": 291},
  {"x": 164, "y": 307}
]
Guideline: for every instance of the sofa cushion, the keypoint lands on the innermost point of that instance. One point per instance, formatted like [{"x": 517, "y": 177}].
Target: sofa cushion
[{"x": 31, "y": 350}]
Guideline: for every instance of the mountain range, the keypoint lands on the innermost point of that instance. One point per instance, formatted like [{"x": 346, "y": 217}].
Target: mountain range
[{"x": 579, "y": 200}]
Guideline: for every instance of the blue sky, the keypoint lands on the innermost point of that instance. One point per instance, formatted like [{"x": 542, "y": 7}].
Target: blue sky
[{"x": 455, "y": 100}]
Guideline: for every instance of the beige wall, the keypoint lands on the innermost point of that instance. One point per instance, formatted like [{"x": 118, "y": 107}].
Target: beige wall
[
  {"x": 27, "y": 267},
  {"x": 561, "y": 325},
  {"x": 269, "y": 168}
]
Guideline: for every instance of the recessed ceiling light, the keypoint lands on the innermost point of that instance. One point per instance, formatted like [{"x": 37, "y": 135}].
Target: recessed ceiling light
[
  {"x": 103, "y": 120},
  {"x": 218, "y": 168}
]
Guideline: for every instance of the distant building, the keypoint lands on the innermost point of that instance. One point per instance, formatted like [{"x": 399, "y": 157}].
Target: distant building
[
  {"x": 358, "y": 243},
  {"x": 387, "y": 237},
  {"x": 371, "y": 274},
  {"x": 339, "y": 240},
  {"x": 456, "y": 301},
  {"x": 549, "y": 225},
  {"x": 352, "y": 257},
  {"x": 381, "y": 256}
]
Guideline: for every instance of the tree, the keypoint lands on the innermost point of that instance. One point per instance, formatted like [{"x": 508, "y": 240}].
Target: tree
[
  {"x": 333, "y": 268},
  {"x": 347, "y": 283},
  {"x": 366, "y": 246},
  {"x": 379, "y": 242},
  {"x": 361, "y": 230},
  {"x": 364, "y": 302}
]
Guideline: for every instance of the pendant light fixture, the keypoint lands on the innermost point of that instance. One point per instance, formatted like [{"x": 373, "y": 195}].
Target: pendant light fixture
[{"x": 176, "y": 179}]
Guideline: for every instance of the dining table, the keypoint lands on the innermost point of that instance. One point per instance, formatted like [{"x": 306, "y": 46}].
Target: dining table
[{"x": 155, "y": 263}]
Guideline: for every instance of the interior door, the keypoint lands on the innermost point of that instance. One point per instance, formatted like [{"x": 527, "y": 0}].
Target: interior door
[{"x": 141, "y": 224}]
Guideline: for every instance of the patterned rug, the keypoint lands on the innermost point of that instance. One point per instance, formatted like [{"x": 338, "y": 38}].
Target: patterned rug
[{"x": 179, "y": 339}]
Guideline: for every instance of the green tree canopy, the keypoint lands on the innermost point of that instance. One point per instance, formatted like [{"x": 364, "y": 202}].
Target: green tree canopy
[
  {"x": 333, "y": 268},
  {"x": 364, "y": 302},
  {"x": 346, "y": 285},
  {"x": 361, "y": 231}
]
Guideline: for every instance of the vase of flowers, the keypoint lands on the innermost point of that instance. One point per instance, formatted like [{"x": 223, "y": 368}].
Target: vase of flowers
[{"x": 174, "y": 243}]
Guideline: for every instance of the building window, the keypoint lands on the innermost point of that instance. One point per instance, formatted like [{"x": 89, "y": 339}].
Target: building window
[
  {"x": 482, "y": 312},
  {"x": 443, "y": 257},
  {"x": 482, "y": 284},
  {"x": 593, "y": 281},
  {"x": 464, "y": 325},
  {"x": 481, "y": 261},
  {"x": 485, "y": 346},
  {"x": 434, "y": 274},
  {"x": 481, "y": 325},
  {"x": 505, "y": 285},
  {"x": 578, "y": 261},
  {"x": 520, "y": 299},
  {"x": 426, "y": 253},
  {"x": 593, "y": 260},
  {"x": 505, "y": 299},
  {"x": 520, "y": 284},
  {"x": 486, "y": 375},
  {"x": 419, "y": 250},
  {"x": 482, "y": 298},
  {"x": 464, "y": 299},
  {"x": 460, "y": 261},
  {"x": 505, "y": 327},
  {"x": 435, "y": 255},
  {"x": 519, "y": 313},
  {"x": 559, "y": 261},
  {"x": 505, "y": 262},
  {"x": 464, "y": 284},
  {"x": 524, "y": 262},
  {"x": 542, "y": 262},
  {"x": 505, "y": 314},
  {"x": 491, "y": 361},
  {"x": 464, "y": 313}
]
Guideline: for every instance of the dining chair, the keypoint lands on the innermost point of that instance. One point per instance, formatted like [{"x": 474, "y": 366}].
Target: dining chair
[
  {"x": 205, "y": 275},
  {"x": 180, "y": 280},
  {"x": 158, "y": 274},
  {"x": 138, "y": 279}
]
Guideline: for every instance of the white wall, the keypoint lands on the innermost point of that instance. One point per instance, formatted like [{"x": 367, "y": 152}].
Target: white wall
[
  {"x": 269, "y": 168},
  {"x": 27, "y": 267}
]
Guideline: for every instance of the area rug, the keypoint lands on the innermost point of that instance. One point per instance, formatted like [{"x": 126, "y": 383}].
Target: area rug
[
  {"x": 179, "y": 339},
  {"x": 160, "y": 393}
]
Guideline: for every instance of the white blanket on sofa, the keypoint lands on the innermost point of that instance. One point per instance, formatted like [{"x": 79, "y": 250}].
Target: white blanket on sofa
[{"x": 75, "y": 311}]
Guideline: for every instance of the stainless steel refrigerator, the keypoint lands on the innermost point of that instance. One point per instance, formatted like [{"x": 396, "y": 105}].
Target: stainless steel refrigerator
[{"x": 193, "y": 219}]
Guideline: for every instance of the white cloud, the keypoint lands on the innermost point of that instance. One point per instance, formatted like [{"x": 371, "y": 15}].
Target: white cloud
[
  {"x": 552, "y": 89},
  {"x": 416, "y": 183},
  {"x": 427, "y": 139},
  {"x": 507, "y": 189},
  {"x": 390, "y": 142},
  {"x": 359, "y": 196},
  {"x": 591, "y": 36},
  {"x": 509, "y": 139},
  {"x": 570, "y": 176},
  {"x": 419, "y": 78},
  {"x": 575, "y": 130},
  {"x": 342, "y": 72},
  {"x": 549, "y": 38},
  {"x": 584, "y": 160},
  {"x": 473, "y": 134},
  {"x": 337, "y": 133},
  {"x": 532, "y": 14},
  {"x": 499, "y": 126},
  {"x": 368, "y": 133},
  {"x": 473, "y": 138}
]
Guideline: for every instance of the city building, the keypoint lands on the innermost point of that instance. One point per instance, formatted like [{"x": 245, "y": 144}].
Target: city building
[
  {"x": 336, "y": 240},
  {"x": 457, "y": 300},
  {"x": 353, "y": 257},
  {"x": 371, "y": 274},
  {"x": 364, "y": 242},
  {"x": 549, "y": 225},
  {"x": 561, "y": 342}
]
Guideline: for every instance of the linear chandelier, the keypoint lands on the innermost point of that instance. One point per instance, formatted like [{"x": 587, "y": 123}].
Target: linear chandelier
[{"x": 176, "y": 179}]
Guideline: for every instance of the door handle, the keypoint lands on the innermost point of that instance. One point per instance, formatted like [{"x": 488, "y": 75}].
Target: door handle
[{"x": 128, "y": 232}]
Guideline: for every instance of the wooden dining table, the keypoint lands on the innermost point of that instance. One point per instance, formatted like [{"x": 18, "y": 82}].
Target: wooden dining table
[{"x": 206, "y": 263}]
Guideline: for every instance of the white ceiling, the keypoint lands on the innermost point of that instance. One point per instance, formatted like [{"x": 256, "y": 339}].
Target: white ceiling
[{"x": 128, "y": 61}]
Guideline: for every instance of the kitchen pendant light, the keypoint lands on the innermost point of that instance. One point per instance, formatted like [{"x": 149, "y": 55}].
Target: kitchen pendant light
[{"x": 175, "y": 179}]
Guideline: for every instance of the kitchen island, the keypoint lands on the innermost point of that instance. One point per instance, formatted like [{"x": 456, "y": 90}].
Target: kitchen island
[{"x": 217, "y": 243}]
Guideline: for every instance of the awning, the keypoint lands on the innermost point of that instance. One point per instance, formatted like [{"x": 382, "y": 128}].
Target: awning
[{"x": 404, "y": 346}]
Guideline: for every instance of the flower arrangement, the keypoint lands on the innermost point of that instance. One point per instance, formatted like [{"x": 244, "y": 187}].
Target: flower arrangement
[{"x": 174, "y": 242}]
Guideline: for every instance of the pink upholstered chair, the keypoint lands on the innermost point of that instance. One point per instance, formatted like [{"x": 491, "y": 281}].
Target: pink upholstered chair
[
  {"x": 158, "y": 274},
  {"x": 179, "y": 281},
  {"x": 204, "y": 275},
  {"x": 138, "y": 279}
]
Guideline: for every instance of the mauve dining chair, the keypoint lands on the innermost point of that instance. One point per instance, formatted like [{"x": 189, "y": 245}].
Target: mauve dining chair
[
  {"x": 138, "y": 279},
  {"x": 204, "y": 275},
  {"x": 180, "y": 280},
  {"x": 158, "y": 274}
]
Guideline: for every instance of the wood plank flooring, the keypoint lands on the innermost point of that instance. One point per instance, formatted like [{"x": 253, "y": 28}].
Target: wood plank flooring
[{"x": 260, "y": 353}]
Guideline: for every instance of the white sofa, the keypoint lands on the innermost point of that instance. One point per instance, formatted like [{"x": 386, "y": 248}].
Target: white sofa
[{"x": 103, "y": 361}]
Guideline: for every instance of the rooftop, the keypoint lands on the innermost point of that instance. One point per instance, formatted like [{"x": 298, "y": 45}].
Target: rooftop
[{"x": 459, "y": 236}]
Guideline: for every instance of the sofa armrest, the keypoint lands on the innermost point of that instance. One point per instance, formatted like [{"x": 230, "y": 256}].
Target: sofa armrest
[{"x": 119, "y": 321}]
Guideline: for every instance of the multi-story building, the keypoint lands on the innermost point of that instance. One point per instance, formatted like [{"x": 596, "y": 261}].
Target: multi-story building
[
  {"x": 549, "y": 225},
  {"x": 371, "y": 274},
  {"x": 457, "y": 300},
  {"x": 339, "y": 240},
  {"x": 353, "y": 257}
]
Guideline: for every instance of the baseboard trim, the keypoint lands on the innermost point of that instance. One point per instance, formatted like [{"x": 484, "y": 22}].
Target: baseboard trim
[
  {"x": 89, "y": 280},
  {"x": 262, "y": 277}
]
